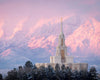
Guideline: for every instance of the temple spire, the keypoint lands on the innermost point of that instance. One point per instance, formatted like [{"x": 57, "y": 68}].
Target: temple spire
[{"x": 61, "y": 25}]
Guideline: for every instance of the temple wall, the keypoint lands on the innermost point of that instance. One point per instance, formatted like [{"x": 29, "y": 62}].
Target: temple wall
[
  {"x": 73, "y": 66},
  {"x": 57, "y": 59},
  {"x": 69, "y": 59}
]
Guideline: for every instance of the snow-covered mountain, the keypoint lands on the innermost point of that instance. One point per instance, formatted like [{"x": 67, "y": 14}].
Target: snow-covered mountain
[{"x": 38, "y": 42}]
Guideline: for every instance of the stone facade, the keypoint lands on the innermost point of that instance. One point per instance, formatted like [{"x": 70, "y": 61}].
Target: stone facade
[
  {"x": 73, "y": 66},
  {"x": 62, "y": 57},
  {"x": 57, "y": 59}
]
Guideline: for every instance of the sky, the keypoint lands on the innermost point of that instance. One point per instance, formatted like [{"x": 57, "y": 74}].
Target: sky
[{"x": 29, "y": 30}]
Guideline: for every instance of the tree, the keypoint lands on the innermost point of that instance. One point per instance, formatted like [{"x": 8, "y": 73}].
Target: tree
[
  {"x": 63, "y": 67},
  {"x": 12, "y": 75},
  {"x": 1, "y": 77},
  {"x": 57, "y": 68},
  {"x": 29, "y": 64},
  {"x": 31, "y": 72},
  {"x": 68, "y": 73},
  {"x": 83, "y": 75},
  {"x": 63, "y": 72},
  {"x": 42, "y": 73},
  {"x": 50, "y": 72},
  {"x": 58, "y": 72},
  {"x": 20, "y": 72},
  {"x": 24, "y": 76},
  {"x": 93, "y": 73},
  {"x": 28, "y": 67}
]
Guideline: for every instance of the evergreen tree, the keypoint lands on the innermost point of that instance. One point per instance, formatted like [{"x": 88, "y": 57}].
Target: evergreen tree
[
  {"x": 25, "y": 76},
  {"x": 93, "y": 73},
  {"x": 83, "y": 75},
  {"x": 57, "y": 68},
  {"x": 57, "y": 71},
  {"x": 29, "y": 64},
  {"x": 63, "y": 68},
  {"x": 31, "y": 72},
  {"x": 1, "y": 77},
  {"x": 68, "y": 74},
  {"x": 50, "y": 72},
  {"x": 63, "y": 72},
  {"x": 20, "y": 73},
  {"x": 12, "y": 75}
]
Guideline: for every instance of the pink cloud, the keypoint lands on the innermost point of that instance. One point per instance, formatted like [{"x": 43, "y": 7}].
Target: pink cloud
[{"x": 1, "y": 30}]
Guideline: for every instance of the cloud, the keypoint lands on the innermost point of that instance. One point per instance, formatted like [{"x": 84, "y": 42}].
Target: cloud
[{"x": 1, "y": 30}]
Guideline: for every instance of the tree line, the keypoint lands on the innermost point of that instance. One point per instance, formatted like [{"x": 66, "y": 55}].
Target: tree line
[{"x": 31, "y": 72}]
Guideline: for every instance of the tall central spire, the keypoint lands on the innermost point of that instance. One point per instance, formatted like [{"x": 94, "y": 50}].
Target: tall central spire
[{"x": 61, "y": 25}]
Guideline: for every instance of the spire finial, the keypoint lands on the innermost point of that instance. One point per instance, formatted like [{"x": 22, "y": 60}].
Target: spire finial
[{"x": 61, "y": 25}]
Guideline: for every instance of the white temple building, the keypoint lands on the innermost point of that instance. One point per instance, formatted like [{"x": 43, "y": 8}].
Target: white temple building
[
  {"x": 61, "y": 51},
  {"x": 62, "y": 57}
]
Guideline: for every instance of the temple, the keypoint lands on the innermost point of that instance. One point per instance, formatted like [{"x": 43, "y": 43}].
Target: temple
[
  {"x": 62, "y": 57},
  {"x": 61, "y": 51}
]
